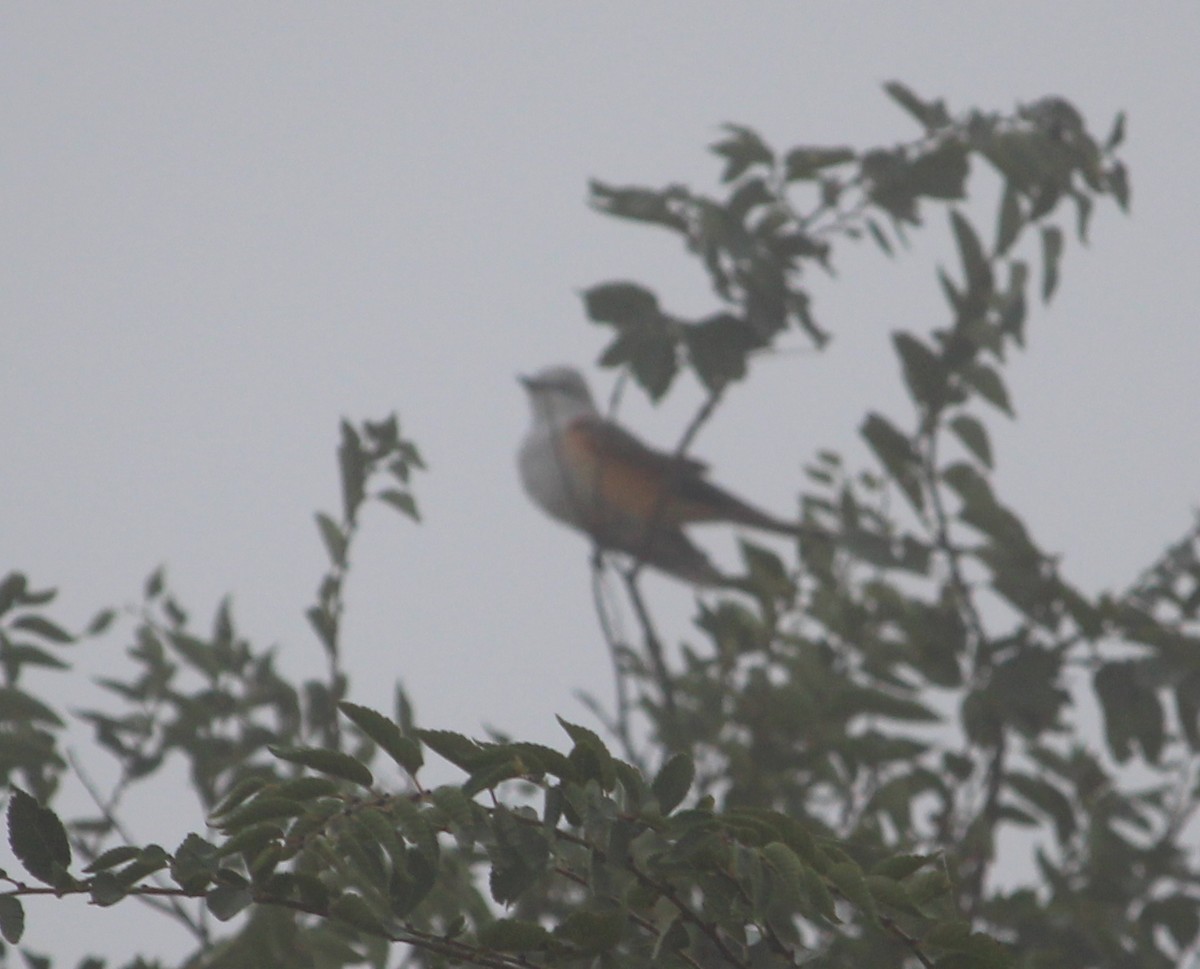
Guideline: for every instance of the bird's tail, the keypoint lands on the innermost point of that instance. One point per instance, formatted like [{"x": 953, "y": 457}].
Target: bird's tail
[{"x": 670, "y": 551}]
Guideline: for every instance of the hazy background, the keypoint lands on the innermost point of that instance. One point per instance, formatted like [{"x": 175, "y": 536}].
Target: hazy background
[{"x": 228, "y": 225}]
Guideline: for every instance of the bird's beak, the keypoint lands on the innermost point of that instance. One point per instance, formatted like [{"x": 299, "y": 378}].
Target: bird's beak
[{"x": 527, "y": 382}]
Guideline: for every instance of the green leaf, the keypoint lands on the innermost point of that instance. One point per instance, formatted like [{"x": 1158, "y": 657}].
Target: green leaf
[
  {"x": 590, "y": 757},
  {"x": 673, "y": 782},
  {"x": 331, "y": 762},
  {"x": 17, "y": 706},
  {"x": 896, "y": 454},
  {"x": 1046, "y": 798},
  {"x": 1009, "y": 223},
  {"x": 1178, "y": 914},
  {"x": 805, "y": 163},
  {"x": 225, "y": 901},
  {"x": 931, "y": 114},
  {"x": 1118, "y": 184},
  {"x": 242, "y": 790},
  {"x": 888, "y": 891},
  {"x": 717, "y": 348},
  {"x": 900, "y": 867},
  {"x": 1117, "y": 134},
  {"x": 924, "y": 370},
  {"x": 459, "y": 750},
  {"x": 114, "y": 857},
  {"x": 848, "y": 878},
  {"x": 988, "y": 385},
  {"x": 743, "y": 149},
  {"x": 403, "y": 750},
  {"x": 38, "y": 839},
  {"x": 1132, "y": 711},
  {"x": 402, "y": 501},
  {"x": 333, "y": 537},
  {"x": 12, "y": 590},
  {"x": 12, "y": 919},
  {"x": 974, "y": 438},
  {"x": 43, "y": 627},
  {"x": 100, "y": 622},
  {"x": 640, "y": 204},
  {"x": 352, "y": 463},
  {"x": 105, "y": 889},
  {"x": 593, "y": 932},
  {"x": 1052, "y": 247},
  {"x": 515, "y": 935},
  {"x": 621, "y": 303},
  {"x": 195, "y": 864},
  {"x": 262, "y": 808},
  {"x": 789, "y": 873},
  {"x": 975, "y": 265}
]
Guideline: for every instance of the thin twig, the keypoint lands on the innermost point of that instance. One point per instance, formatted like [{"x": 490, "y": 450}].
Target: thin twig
[{"x": 168, "y": 905}]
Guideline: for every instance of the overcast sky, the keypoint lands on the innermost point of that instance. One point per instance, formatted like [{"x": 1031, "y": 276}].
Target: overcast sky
[{"x": 229, "y": 225}]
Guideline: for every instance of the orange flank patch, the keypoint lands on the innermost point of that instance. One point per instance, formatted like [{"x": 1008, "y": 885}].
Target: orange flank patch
[{"x": 630, "y": 480}]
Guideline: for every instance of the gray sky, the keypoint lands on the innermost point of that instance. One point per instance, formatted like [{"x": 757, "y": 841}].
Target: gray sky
[{"x": 229, "y": 225}]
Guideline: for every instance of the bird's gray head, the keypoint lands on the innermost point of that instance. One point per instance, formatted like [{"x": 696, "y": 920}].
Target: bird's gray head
[{"x": 558, "y": 390}]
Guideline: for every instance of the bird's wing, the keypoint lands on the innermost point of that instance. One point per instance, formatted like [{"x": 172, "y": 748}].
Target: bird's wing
[
  {"x": 625, "y": 475},
  {"x": 628, "y": 475}
]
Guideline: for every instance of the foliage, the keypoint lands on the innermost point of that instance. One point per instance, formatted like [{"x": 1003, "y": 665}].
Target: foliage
[{"x": 835, "y": 770}]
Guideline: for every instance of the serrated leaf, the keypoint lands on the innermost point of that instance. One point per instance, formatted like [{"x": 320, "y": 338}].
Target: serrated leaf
[
  {"x": 113, "y": 857},
  {"x": 590, "y": 757},
  {"x": 461, "y": 751},
  {"x": 403, "y": 750},
  {"x": 38, "y": 839},
  {"x": 331, "y": 762},
  {"x": 251, "y": 840},
  {"x": 240, "y": 791},
  {"x": 263, "y": 808},
  {"x": 104, "y": 889},
  {"x": 12, "y": 919},
  {"x": 673, "y": 782}
]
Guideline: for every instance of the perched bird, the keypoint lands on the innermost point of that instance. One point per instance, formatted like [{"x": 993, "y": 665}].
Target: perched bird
[{"x": 593, "y": 475}]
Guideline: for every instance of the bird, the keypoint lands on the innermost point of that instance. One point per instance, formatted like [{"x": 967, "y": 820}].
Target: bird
[{"x": 593, "y": 475}]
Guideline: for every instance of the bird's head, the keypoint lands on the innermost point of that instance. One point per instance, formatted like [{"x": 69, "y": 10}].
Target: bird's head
[{"x": 558, "y": 391}]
